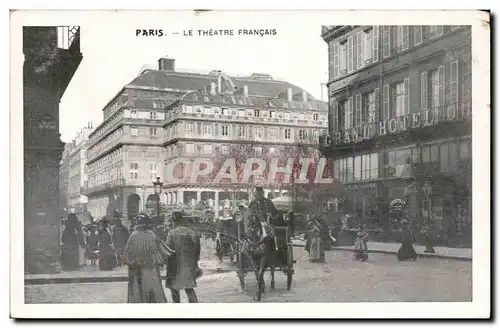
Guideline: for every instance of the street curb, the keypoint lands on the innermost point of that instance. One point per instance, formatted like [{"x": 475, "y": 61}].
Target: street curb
[
  {"x": 426, "y": 255},
  {"x": 84, "y": 280}
]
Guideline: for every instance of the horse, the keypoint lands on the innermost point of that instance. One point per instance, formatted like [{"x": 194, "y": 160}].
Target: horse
[{"x": 260, "y": 249}]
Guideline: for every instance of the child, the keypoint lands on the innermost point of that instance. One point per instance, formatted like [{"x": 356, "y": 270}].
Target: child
[{"x": 360, "y": 245}]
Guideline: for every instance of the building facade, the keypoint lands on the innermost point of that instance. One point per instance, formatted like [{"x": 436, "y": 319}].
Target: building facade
[
  {"x": 51, "y": 57},
  {"x": 74, "y": 166},
  {"x": 163, "y": 114},
  {"x": 64, "y": 179},
  {"x": 400, "y": 124}
]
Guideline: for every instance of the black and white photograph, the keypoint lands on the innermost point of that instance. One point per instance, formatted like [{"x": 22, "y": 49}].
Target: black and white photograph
[{"x": 258, "y": 157}]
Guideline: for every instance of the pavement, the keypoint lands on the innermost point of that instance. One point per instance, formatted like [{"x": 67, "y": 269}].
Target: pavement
[
  {"x": 459, "y": 254},
  {"x": 341, "y": 279}
]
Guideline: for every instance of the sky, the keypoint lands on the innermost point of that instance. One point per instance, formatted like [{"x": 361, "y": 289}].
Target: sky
[{"x": 113, "y": 55}]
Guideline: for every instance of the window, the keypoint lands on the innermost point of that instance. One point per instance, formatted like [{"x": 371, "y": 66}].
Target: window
[
  {"x": 272, "y": 133},
  {"x": 348, "y": 114},
  {"x": 399, "y": 99},
  {"x": 133, "y": 113},
  {"x": 399, "y": 163},
  {"x": 402, "y": 38},
  {"x": 207, "y": 110},
  {"x": 207, "y": 129},
  {"x": 256, "y": 113},
  {"x": 386, "y": 41},
  {"x": 134, "y": 171},
  {"x": 152, "y": 172},
  {"x": 367, "y": 46},
  {"x": 241, "y": 131},
  {"x": 434, "y": 31},
  {"x": 207, "y": 149},
  {"x": 288, "y": 134},
  {"x": 225, "y": 130},
  {"x": 369, "y": 110},
  {"x": 434, "y": 88},
  {"x": 417, "y": 34},
  {"x": 453, "y": 89},
  {"x": 334, "y": 59},
  {"x": 357, "y": 168},
  {"x": 152, "y": 132},
  {"x": 334, "y": 115},
  {"x": 189, "y": 148},
  {"x": 241, "y": 112},
  {"x": 343, "y": 57},
  {"x": 189, "y": 128},
  {"x": 302, "y": 134},
  {"x": 359, "y": 50},
  {"x": 375, "y": 30},
  {"x": 152, "y": 115},
  {"x": 225, "y": 111},
  {"x": 449, "y": 157},
  {"x": 315, "y": 117},
  {"x": 369, "y": 166},
  {"x": 272, "y": 114},
  {"x": 465, "y": 151},
  {"x": 258, "y": 132},
  {"x": 134, "y": 131},
  {"x": 430, "y": 153},
  {"x": 189, "y": 109},
  {"x": 350, "y": 54}
]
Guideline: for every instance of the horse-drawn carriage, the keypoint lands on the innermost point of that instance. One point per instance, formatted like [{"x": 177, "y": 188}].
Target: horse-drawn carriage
[
  {"x": 226, "y": 239},
  {"x": 265, "y": 245}
]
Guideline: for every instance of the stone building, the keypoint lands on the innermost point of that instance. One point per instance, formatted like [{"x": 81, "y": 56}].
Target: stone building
[
  {"x": 165, "y": 113},
  {"x": 74, "y": 161},
  {"x": 400, "y": 123},
  {"x": 51, "y": 57},
  {"x": 64, "y": 179}
]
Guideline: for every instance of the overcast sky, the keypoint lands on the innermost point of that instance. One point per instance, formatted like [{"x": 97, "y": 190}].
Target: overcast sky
[{"x": 113, "y": 55}]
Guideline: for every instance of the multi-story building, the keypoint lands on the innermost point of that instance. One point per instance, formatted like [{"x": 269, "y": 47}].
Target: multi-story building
[
  {"x": 164, "y": 113},
  {"x": 51, "y": 58},
  {"x": 74, "y": 165},
  {"x": 400, "y": 123}
]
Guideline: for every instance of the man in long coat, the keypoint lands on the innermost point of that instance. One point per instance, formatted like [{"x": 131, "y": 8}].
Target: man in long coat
[
  {"x": 182, "y": 267},
  {"x": 144, "y": 254}
]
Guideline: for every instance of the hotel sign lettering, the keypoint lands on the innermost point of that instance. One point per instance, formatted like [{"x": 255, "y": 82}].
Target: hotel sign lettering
[{"x": 396, "y": 125}]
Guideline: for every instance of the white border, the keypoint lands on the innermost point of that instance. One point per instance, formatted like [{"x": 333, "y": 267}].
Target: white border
[{"x": 480, "y": 307}]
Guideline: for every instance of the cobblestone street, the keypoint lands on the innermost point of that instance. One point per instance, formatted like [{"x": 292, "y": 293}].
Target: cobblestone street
[{"x": 382, "y": 278}]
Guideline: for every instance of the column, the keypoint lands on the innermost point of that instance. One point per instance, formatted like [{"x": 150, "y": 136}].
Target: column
[
  {"x": 169, "y": 198},
  {"x": 216, "y": 206},
  {"x": 173, "y": 196},
  {"x": 198, "y": 196},
  {"x": 180, "y": 196}
]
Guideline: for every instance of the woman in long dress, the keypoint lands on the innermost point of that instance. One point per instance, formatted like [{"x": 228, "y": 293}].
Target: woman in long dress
[
  {"x": 361, "y": 245},
  {"x": 314, "y": 242},
  {"x": 72, "y": 239},
  {"x": 406, "y": 251},
  {"x": 107, "y": 259},
  {"x": 145, "y": 254}
]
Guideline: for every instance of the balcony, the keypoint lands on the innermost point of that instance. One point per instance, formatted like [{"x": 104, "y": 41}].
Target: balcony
[{"x": 104, "y": 187}]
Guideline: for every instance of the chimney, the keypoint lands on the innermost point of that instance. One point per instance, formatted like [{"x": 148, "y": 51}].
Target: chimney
[
  {"x": 289, "y": 94},
  {"x": 245, "y": 90},
  {"x": 213, "y": 87},
  {"x": 304, "y": 96},
  {"x": 166, "y": 64}
]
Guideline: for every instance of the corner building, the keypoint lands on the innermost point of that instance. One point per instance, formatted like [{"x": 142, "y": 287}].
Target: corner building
[
  {"x": 164, "y": 114},
  {"x": 400, "y": 124}
]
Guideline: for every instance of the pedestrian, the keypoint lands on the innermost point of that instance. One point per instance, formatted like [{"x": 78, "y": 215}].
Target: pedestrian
[
  {"x": 107, "y": 259},
  {"x": 182, "y": 267},
  {"x": 72, "y": 239},
  {"x": 361, "y": 245},
  {"x": 144, "y": 254},
  {"x": 406, "y": 251},
  {"x": 92, "y": 245},
  {"x": 314, "y": 242},
  {"x": 120, "y": 236}
]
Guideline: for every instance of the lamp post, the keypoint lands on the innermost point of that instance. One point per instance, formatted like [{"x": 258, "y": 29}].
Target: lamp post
[
  {"x": 429, "y": 247},
  {"x": 158, "y": 185}
]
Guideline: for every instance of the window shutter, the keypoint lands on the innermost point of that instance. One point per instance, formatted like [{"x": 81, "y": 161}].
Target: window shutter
[
  {"x": 386, "y": 41},
  {"x": 439, "y": 30},
  {"x": 335, "y": 60},
  {"x": 358, "y": 114},
  {"x": 335, "y": 116},
  {"x": 350, "y": 113},
  {"x": 417, "y": 34},
  {"x": 423, "y": 90},
  {"x": 454, "y": 82},
  {"x": 359, "y": 53},
  {"x": 377, "y": 105},
  {"x": 441, "y": 77},
  {"x": 406, "y": 37},
  {"x": 386, "y": 107},
  {"x": 407, "y": 109},
  {"x": 350, "y": 54},
  {"x": 375, "y": 43}
]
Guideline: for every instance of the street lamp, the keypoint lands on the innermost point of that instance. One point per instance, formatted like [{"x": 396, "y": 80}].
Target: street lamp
[
  {"x": 158, "y": 185},
  {"x": 429, "y": 247}
]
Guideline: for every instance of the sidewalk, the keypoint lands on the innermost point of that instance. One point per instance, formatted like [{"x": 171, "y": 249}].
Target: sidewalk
[
  {"x": 93, "y": 275},
  {"x": 460, "y": 254}
]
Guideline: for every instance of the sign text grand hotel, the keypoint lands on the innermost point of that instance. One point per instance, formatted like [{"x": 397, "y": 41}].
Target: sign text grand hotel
[{"x": 398, "y": 124}]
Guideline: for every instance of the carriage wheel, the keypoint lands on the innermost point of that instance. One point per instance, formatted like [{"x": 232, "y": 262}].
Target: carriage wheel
[{"x": 289, "y": 257}]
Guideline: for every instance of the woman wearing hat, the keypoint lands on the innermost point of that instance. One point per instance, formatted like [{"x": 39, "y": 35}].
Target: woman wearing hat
[
  {"x": 406, "y": 251},
  {"x": 145, "y": 254},
  {"x": 107, "y": 259}
]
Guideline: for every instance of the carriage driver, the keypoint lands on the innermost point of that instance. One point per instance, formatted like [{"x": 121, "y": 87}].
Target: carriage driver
[{"x": 261, "y": 206}]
